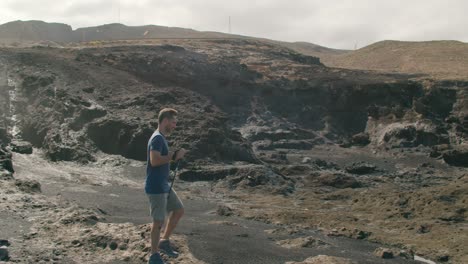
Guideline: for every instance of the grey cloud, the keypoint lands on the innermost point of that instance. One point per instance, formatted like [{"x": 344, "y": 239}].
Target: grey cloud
[{"x": 336, "y": 24}]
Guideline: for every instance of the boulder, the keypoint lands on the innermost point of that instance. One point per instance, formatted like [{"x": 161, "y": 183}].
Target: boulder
[
  {"x": 224, "y": 210},
  {"x": 338, "y": 180},
  {"x": 29, "y": 186},
  {"x": 4, "y": 255},
  {"x": 22, "y": 147},
  {"x": 303, "y": 242},
  {"x": 4, "y": 135},
  {"x": 325, "y": 165},
  {"x": 86, "y": 115},
  {"x": 5, "y": 175},
  {"x": 360, "y": 168},
  {"x": 456, "y": 157},
  {"x": 59, "y": 147},
  {"x": 360, "y": 139},
  {"x": 384, "y": 253},
  {"x": 4, "y": 242},
  {"x": 258, "y": 178},
  {"x": 5, "y": 163},
  {"x": 399, "y": 135}
]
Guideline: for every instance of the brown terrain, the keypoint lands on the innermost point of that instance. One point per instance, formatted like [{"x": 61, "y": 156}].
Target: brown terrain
[
  {"x": 437, "y": 59},
  {"x": 290, "y": 161}
]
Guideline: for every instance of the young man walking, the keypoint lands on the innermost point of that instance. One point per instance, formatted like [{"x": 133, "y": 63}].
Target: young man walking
[{"x": 157, "y": 186}]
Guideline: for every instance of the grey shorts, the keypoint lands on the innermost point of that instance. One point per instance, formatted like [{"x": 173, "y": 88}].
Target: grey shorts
[{"x": 160, "y": 205}]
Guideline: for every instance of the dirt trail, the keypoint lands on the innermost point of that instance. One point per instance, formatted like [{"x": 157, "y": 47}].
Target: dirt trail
[{"x": 211, "y": 238}]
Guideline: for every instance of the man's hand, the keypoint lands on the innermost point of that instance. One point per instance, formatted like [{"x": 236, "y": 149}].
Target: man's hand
[{"x": 180, "y": 154}]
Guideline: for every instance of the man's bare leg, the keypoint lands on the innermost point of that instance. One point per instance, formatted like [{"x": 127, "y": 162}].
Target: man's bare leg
[
  {"x": 163, "y": 225},
  {"x": 174, "y": 218},
  {"x": 155, "y": 234}
]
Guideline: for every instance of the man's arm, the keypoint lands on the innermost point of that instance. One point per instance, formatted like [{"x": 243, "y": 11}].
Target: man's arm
[{"x": 156, "y": 159}]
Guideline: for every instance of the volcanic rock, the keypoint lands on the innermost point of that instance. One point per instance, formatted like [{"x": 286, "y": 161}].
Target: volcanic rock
[
  {"x": 21, "y": 147},
  {"x": 360, "y": 168}
]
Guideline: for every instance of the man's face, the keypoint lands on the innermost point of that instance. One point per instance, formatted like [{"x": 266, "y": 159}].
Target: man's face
[{"x": 171, "y": 124}]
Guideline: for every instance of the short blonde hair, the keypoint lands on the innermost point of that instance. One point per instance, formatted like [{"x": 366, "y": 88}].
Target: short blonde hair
[{"x": 166, "y": 113}]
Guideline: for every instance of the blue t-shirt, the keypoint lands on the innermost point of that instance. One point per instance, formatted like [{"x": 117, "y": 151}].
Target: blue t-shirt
[{"x": 157, "y": 178}]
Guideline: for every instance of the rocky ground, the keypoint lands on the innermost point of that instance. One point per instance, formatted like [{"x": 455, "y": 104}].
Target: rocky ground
[
  {"x": 98, "y": 214},
  {"x": 274, "y": 136}
]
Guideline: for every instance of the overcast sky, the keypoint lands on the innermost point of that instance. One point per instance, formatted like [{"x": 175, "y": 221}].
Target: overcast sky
[{"x": 343, "y": 24}]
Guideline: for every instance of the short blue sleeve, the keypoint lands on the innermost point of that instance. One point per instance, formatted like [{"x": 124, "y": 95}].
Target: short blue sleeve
[{"x": 157, "y": 144}]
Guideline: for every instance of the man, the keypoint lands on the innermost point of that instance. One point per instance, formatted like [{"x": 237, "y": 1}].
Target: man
[{"x": 157, "y": 186}]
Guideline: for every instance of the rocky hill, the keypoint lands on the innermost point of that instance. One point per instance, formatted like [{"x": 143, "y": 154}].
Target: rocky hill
[
  {"x": 33, "y": 31},
  {"x": 26, "y": 33},
  {"x": 19, "y": 31},
  {"x": 440, "y": 59},
  {"x": 313, "y": 49}
]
